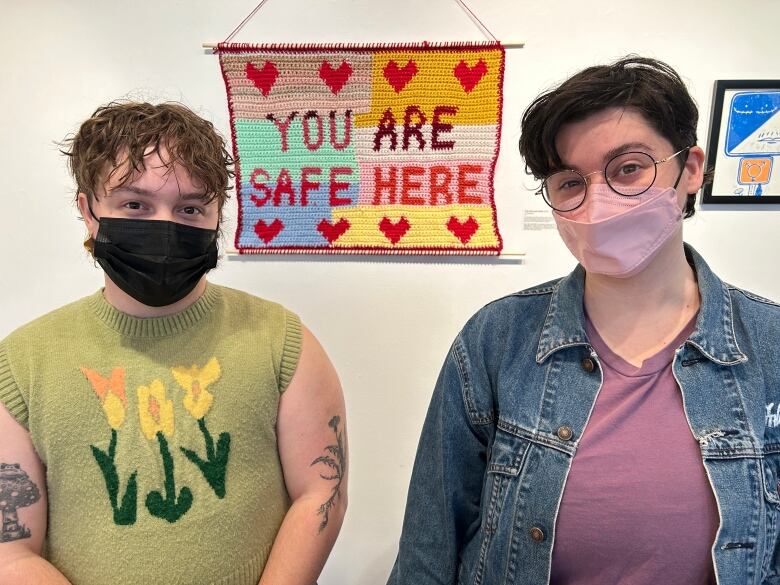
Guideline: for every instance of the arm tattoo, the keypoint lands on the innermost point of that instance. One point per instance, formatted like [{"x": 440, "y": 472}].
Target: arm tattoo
[
  {"x": 17, "y": 490},
  {"x": 336, "y": 462}
]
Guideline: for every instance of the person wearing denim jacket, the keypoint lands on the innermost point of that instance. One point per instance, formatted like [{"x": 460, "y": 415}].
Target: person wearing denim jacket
[{"x": 519, "y": 384}]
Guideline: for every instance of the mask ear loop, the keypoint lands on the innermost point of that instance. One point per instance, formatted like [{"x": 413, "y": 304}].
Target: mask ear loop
[
  {"x": 89, "y": 243},
  {"x": 682, "y": 170},
  {"x": 92, "y": 213}
]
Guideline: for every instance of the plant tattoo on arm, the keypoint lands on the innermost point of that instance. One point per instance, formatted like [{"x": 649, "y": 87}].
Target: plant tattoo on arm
[
  {"x": 17, "y": 490},
  {"x": 335, "y": 460}
]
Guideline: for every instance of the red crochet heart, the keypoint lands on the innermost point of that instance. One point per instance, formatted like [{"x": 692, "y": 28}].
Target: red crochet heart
[
  {"x": 335, "y": 78},
  {"x": 463, "y": 230},
  {"x": 268, "y": 232},
  {"x": 398, "y": 77},
  {"x": 333, "y": 231},
  {"x": 469, "y": 77},
  {"x": 394, "y": 231},
  {"x": 264, "y": 78}
]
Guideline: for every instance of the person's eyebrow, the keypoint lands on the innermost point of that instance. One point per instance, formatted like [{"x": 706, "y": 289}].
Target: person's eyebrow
[
  {"x": 609, "y": 155},
  {"x": 146, "y": 193},
  {"x": 193, "y": 196},
  {"x": 627, "y": 147}
]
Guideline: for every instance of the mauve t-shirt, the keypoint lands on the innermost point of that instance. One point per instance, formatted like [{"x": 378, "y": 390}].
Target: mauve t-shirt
[{"x": 637, "y": 508}]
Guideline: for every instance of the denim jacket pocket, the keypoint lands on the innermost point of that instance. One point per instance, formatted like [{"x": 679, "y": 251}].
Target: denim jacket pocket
[
  {"x": 507, "y": 455},
  {"x": 505, "y": 462},
  {"x": 771, "y": 467}
]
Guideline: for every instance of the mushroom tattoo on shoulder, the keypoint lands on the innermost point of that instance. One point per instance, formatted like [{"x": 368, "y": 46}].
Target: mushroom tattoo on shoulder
[{"x": 17, "y": 490}]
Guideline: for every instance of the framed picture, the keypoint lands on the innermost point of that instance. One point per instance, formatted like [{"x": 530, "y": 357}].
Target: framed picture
[{"x": 744, "y": 142}]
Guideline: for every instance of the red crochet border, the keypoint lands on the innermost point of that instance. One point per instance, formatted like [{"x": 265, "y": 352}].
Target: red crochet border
[
  {"x": 373, "y": 250},
  {"x": 357, "y": 47},
  {"x": 369, "y": 48}
]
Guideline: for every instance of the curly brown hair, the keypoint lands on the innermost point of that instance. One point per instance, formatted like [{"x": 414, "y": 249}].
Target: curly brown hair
[
  {"x": 649, "y": 86},
  {"x": 120, "y": 134}
]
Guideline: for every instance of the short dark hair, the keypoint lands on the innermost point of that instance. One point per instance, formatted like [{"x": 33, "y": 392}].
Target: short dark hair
[{"x": 648, "y": 86}]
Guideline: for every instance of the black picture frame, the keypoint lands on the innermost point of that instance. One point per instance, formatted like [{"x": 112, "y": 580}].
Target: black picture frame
[{"x": 731, "y": 187}]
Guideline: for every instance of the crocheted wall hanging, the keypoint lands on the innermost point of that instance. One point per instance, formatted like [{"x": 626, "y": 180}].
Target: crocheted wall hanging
[{"x": 387, "y": 149}]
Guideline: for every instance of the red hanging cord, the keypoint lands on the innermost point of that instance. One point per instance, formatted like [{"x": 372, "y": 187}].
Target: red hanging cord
[
  {"x": 475, "y": 17},
  {"x": 243, "y": 22},
  {"x": 262, "y": 2}
]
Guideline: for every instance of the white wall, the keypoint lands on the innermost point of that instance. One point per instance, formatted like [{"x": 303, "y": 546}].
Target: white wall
[{"x": 386, "y": 324}]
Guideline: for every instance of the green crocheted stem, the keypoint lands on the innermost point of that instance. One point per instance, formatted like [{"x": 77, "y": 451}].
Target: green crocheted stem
[
  {"x": 171, "y": 507},
  {"x": 124, "y": 514},
  {"x": 214, "y": 467}
]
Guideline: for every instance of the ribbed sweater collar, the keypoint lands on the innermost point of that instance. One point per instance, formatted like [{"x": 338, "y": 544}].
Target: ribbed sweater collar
[{"x": 152, "y": 327}]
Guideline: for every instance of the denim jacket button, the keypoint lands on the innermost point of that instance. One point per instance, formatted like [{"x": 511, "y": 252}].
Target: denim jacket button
[
  {"x": 564, "y": 433},
  {"x": 588, "y": 365},
  {"x": 537, "y": 534}
]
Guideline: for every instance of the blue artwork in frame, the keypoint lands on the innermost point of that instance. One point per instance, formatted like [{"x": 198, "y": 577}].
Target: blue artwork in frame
[{"x": 744, "y": 143}]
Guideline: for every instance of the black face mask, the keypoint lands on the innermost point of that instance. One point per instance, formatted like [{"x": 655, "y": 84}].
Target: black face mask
[{"x": 155, "y": 262}]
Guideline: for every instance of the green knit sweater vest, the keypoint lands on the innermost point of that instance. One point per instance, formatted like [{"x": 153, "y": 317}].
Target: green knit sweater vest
[{"x": 158, "y": 436}]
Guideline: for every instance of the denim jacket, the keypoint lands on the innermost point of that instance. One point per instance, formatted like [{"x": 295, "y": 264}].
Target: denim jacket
[{"x": 513, "y": 400}]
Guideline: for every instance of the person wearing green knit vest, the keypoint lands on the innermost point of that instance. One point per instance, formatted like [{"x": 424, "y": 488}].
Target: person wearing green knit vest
[{"x": 165, "y": 429}]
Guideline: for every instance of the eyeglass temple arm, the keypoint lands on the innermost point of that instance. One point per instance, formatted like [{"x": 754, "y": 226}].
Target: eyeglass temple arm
[{"x": 671, "y": 156}]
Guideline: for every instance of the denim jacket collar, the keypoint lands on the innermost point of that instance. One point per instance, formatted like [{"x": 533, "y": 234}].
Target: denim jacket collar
[
  {"x": 564, "y": 325},
  {"x": 713, "y": 336}
]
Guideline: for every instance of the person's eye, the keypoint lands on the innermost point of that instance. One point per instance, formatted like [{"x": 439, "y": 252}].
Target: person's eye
[
  {"x": 192, "y": 210},
  {"x": 629, "y": 169},
  {"x": 133, "y": 205},
  {"x": 570, "y": 184}
]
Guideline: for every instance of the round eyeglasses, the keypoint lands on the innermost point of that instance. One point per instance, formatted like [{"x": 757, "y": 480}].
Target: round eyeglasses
[{"x": 628, "y": 174}]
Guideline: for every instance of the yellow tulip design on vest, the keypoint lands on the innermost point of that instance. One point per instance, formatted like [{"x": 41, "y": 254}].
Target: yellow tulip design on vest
[
  {"x": 194, "y": 381},
  {"x": 155, "y": 413},
  {"x": 111, "y": 393},
  {"x": 198, "y": 401},
  {"x": 155, "y": 410}
]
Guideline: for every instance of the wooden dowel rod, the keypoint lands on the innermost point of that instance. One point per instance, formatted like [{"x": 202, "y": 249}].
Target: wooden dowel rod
[{"x": 507, "y": 45}]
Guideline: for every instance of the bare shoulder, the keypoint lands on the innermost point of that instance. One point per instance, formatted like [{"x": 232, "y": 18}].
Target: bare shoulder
[
  {"x": 315, "y": 371},
  {"x": 312, "y": 427}
]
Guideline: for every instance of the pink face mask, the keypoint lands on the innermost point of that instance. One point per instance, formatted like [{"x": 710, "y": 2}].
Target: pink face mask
[{"x": 618, "y": 236}]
